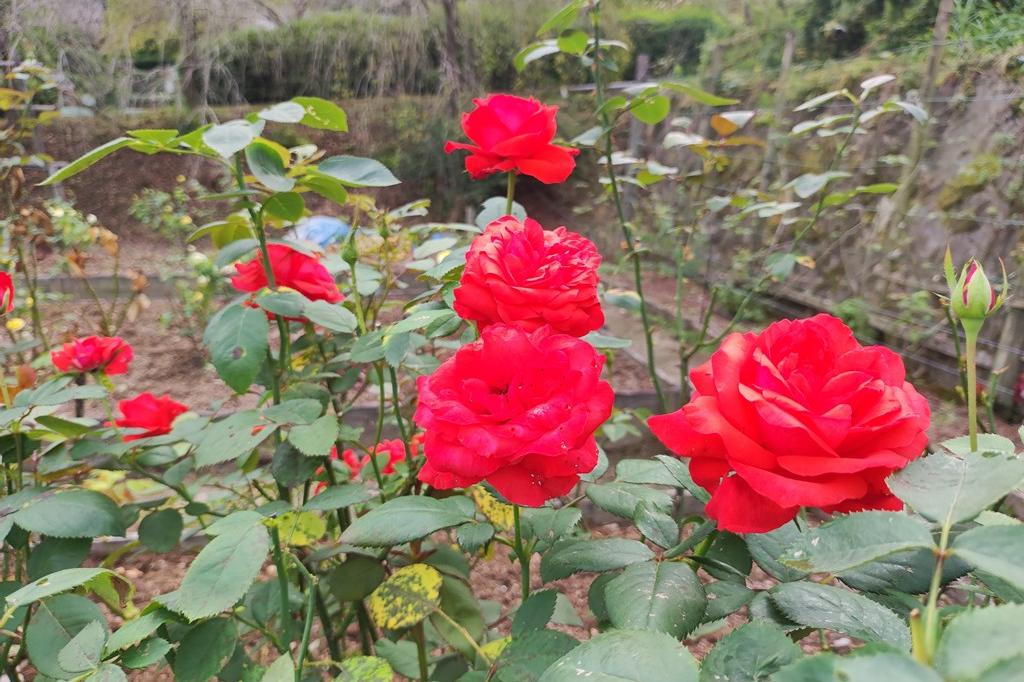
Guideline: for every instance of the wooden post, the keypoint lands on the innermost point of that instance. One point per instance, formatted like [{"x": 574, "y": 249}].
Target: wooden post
[
  {"x": 888, "y": 220},
  {"x": 1006, "y": 357},
  {"x": 771, "y": 153}
]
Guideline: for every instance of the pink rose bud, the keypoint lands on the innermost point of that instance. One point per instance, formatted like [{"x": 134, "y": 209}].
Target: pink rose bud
[{"x": 971, "y": 295}]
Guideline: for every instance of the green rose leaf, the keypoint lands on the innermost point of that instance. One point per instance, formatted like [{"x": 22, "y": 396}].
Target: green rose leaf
[
  {"x": 751, "y": 652},
  {"x": 205, "y": 650},
  {"x": 55, "y": 623},
  {"x": 357, "y": 171},
  {"x": 322, "y": 114},
  {"x": 404, "y": 519},
  {"x": 316, "y": 439},
  {"x": 161, "y": 530},
  {"x": 850, "y": 541},
  {"x": 237, "y": 339},
  {"x": 626, "y": 656},
  {"x": 339, "y": 496},
  {"x": 87, "y": 159},
  {"x": 996, "y": 550},
  {"x": 221, "y": 573},
  {"x": 659, "y": 596},
  {"x": 866, "y": 667},
  {"x": 231, "y": 438},
  {"x": 608, "y": 554},
  {"x": 834, "y": 608},
  {"x": 952, "y": 488},
  {"x": 83, "y": 651},
  {"x": 72, "y": 514},
  {"x": 978, "y": 640},
  {"x": 227, "y": 139},
  {"x": 267, "y": 165}
]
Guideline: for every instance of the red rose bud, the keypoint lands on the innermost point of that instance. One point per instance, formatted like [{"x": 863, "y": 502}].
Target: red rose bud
[
  {"x": 519, "y": 273},
  {"x": 800, "y": 415},
  {"x": 517, "y": 409},
  {"x": 6, "y": 293},
  {"x": 292, "y": 269},
  {"x": 155, "y": 416},
  {"x": 513, "y": 134},
  {"x": 108, "y": 354},
  {"x": 971, "y": 296}
]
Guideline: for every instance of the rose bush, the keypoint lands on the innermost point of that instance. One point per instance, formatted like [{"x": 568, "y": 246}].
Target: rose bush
[
  {"x": 517, "y": 408},
  {"x": 378, "y": 577},
  {"x": 519, "y": 273},
  {"x": 799, "y": 415}
]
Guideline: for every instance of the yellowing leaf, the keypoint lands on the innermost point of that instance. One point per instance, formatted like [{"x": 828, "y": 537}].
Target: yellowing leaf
[
  {"x": 406, "y": 598},
  {"x": 494, "y": 648},
  {"x": 727, "y": 123},
  {"x": 806, "y": 261},
  {"x": 300, "y": 528},
  {"x": 499, "y": 514}
]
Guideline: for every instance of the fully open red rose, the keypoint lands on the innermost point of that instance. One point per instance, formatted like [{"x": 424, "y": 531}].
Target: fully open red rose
[
  {"x": 109, "y": 354},
  {"x": 512, "y": 133},
  {"x": 520, "y": 273},
  {"x": 800, "y": 415},
  {"x": 517, "y": 408},
  {"x": 146, "y": 411},
  {"x": 6, "y": 293},
  {"x": 293, "y": 269}
]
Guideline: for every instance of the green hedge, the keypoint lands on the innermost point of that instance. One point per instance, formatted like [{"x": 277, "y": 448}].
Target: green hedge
[
  {"x": 672, "y": 38},
  {"x": 355, "y": 53}
]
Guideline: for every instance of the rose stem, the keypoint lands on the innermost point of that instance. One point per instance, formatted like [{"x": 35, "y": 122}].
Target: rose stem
[
  {"x": 627, "y": 231},
  {"x": 521, "y": 554},
  {"x": 971, "y": 330},
  {"x": 510, "y": 193}
]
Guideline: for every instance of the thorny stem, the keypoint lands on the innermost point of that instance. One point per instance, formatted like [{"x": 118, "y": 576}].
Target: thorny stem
[
  {"x": 421, "y": 651},
  {"x": 357, "y": 300},
  {"x": 465, "y": 635},
  {"x": 971, "y": 329},
  {"x": 627, "y": 231},
  {"x": 307, "y": 626},
  {"x": 274, "y": 639},
  {"x": 521, "y": 554},
  {"x": 325, "y": 622},
  {"x": 396, "y": 404},
  {"x": 282, "y": 582},
  {"x": 931, "y": 615}
]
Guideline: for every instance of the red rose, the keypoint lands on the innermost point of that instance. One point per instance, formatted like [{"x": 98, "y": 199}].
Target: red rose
[
  {"x": 800, "y": 415},
  {"x": 146, "y": 411},
  {"x": 293, "y": 269},
  {"x": 512, "y": 133},
  {"x": 522, "y": 274},
  {"x": 6, "y": 293},
  {"x": 517, "y": 408},
  {"x": 109, "y": 354},
  {"x": 394, "y": 448}
]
